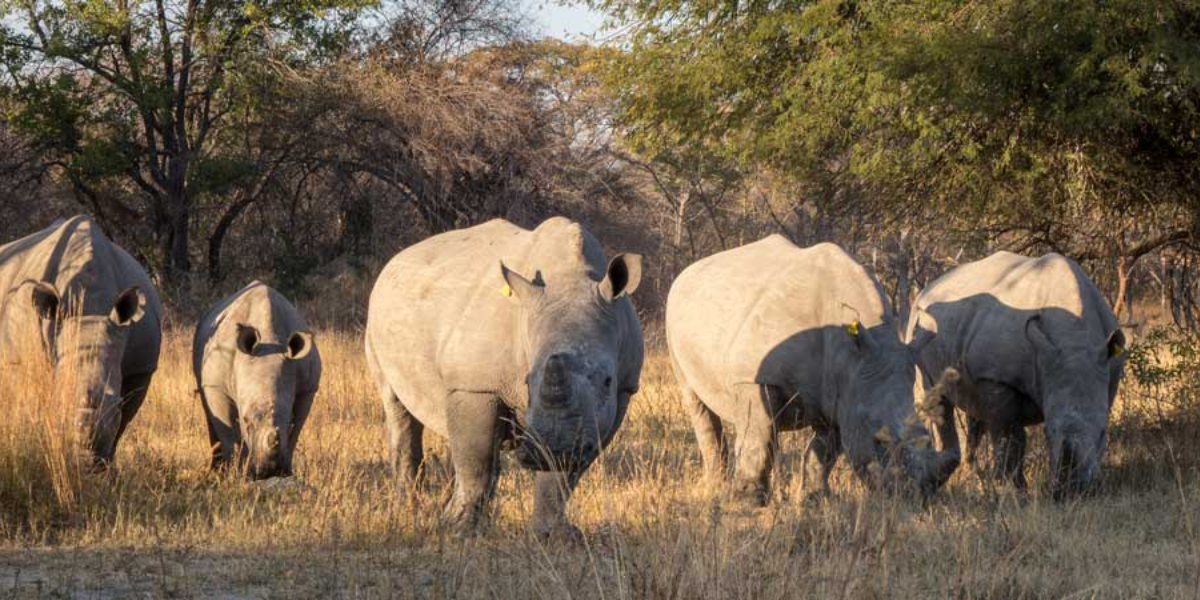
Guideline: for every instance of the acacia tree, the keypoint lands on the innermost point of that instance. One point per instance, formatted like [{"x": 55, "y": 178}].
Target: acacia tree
[{"x": 128, "y": 98}]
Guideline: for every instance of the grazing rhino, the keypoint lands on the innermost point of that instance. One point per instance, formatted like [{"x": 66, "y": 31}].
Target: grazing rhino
[
  {"x": 92, "y": 308},
  {"x": 496, "y": 333},
  {"x": 1032, "y": 340},
  {"x": 257, "y": 368},
  {"x": 772, "y": 337}
]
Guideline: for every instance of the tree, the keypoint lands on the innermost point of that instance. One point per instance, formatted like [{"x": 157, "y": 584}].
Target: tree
[
  {"x": 1055, "y": 124},
  {"x": 129, "y": 99}
]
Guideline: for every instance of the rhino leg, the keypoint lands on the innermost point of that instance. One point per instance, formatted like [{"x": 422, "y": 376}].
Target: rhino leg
[
  {"x": 300, "y": 412},
  {"x": 221, "y": 415},
  {"x": 755, "y": 445},
  {"x": 975, "y": 433},
  {"x": 1008, "y": 448},
  {"x": 709, "y": 436},
  {"x": 405, "y": 438},
  {"x": 819, "y": 459},
  {"x": 472, "y": 424},
  {"x": 552, "y": 493},
  {"x": 133, "y": 392}
]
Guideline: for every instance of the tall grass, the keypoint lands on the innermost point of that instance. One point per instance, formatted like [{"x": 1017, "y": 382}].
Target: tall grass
[{"x": 167, "y": 527}]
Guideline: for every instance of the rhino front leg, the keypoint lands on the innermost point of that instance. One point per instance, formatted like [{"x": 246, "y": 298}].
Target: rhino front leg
[
  {"x": 975, "y": 432},
  {"x": 472, "y": 421},
  {"x": 709, "y": 436},
  {"x": 221, "y": 415},
  {"x": 552, "y": 493},
  {"x": 133, "y": 392},
  {"x": 300, "y": 412},
  {"x": 819, "y": 459},
  {"x": 405, "y": 438},
  {"x": 755, "y": 446}
]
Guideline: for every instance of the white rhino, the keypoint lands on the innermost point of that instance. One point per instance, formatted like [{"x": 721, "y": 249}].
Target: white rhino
[
  {"x": 257, "y": 368},
  {"x": 772, "y": 337},
  {"x": 1033, "y": 340},
  {"x": 495, "y": 333},
  {"x": 96, "y": 314}
]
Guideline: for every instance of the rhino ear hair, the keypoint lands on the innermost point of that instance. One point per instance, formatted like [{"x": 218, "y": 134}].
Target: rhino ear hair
[
  {"x": 1116, "y": 344},
  {"x": 515, "y": 285},
  {"x": 300, "y": 345},
  {"x": 129, "y": 308},
  {"x": 247, "y": 339},
  {"x": 45, "y": 298},
  {"x": 623, "y": 275}
]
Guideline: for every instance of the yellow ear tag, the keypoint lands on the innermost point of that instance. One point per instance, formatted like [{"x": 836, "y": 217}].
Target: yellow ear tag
[
  {"x": 506, "y": 290},
  {"x": 1118, "y": 350},
  {"x": 853, "y": 328}
]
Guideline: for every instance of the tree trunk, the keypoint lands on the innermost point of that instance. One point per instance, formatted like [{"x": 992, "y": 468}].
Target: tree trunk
[{"x": 1124, "y": 266}]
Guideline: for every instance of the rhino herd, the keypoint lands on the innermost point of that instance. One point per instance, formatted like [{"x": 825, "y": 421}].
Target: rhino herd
[{"x": 496, "y": 337}]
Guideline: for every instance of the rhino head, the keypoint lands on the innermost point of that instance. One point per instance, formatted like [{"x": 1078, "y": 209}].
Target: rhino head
[
  {"x": 885, "y": 442},
  {"x": 1074, "y": 375},
  {"x": 572, "y": 336},
  {"x": 264, "y": 375},
  {"x": 84, "y": 336}
]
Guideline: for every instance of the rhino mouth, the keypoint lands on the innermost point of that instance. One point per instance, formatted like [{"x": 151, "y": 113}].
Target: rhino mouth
[{"x": 536, "y": 457}]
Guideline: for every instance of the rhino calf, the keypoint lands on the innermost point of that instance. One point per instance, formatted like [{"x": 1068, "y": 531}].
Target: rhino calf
[
  {"x": 1033, "y": 341},
  {"x": 257, "y": 368},
  {"x": 772, "y": 337},
  {"x": 96, "y": 315},
  {"x": 496, "y": 334}
]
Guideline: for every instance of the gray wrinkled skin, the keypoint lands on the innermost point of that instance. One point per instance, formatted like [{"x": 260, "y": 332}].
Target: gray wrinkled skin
[
  {"x": 1033, "y": 340},
  {"x": 257, "y": 368},
  {"x": 95, "y": 313},
  {"x": 495, "y": 334},
  {"x": 759, "y": 339}
]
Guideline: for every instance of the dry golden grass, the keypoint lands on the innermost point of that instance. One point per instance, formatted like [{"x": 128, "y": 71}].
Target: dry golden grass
[{"x": 162, "y": 526}]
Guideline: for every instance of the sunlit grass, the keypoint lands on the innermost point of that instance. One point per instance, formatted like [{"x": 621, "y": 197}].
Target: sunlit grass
[{"x": 162, "y": 525}]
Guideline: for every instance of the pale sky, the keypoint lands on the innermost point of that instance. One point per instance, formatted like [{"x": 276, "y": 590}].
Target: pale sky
[{"x": 569, "y": 22}]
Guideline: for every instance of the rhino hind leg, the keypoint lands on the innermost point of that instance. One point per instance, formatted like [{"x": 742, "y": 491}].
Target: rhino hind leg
[
  {"x": 472, "y": 425},
  {"x": 709, "y": 436},
  {"x": 755, "y": 445},
  {"x": 406, "y": 438},
  {"x": 1008, "y": 450},
  {"x": 819, "y": 459}
]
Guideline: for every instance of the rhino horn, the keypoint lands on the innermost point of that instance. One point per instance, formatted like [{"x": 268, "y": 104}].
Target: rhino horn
[{"x": 555, "y": 386}]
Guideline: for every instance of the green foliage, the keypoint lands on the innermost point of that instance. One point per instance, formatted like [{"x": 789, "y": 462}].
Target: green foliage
[
  {"x": 979, "y": 109},
  {"x": 1166, "y": 364}
]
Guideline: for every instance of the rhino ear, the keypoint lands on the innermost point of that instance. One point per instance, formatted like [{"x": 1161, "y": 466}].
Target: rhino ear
[
  {"x": 921, "y": 338},
  {"x": 1116, "y": 344},
  {"x": 862, "y": 336},
  {"x": 247, "y": 339},
  {"x": 300, "y": 345},
  {"x": 129, "y": 307},
  {"x": 515, "y": 285},
  {"x": 623, "y": 275},
  {"x": 45, "y": 298},
  {"x": 1037, "y": 337}
]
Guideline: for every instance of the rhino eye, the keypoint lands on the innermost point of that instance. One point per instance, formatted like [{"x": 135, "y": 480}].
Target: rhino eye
[{"x": 607, "y": 383}]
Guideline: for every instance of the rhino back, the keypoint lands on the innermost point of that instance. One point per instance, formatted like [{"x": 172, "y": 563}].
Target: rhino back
[
  {"x": 770, "y": 313},
  {"x": 439, "y": 321},
  {"x": 979, "y": 311}
]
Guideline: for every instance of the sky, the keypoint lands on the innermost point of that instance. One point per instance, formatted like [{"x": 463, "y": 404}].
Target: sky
[{"x": 571, "y": 22}]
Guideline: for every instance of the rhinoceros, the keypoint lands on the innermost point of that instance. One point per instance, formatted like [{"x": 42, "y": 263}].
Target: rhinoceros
[
  {"x": 257, "y": 368},
  {"x": 1031, "y": 340},
  {"x": 498, "y": 334},
  {"x": 773, "y": 337},
  {"x": 92, "y": 308}
]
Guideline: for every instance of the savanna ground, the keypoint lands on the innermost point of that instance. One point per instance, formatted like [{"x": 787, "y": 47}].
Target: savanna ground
[{"x": 162, "y": 526}]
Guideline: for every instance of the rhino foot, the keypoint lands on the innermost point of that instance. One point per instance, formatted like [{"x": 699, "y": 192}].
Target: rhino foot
[{"x": 748, "y": 495}]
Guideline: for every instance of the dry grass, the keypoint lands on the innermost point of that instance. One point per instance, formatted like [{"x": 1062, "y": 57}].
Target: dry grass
[{"x": 162, "y": 526}]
